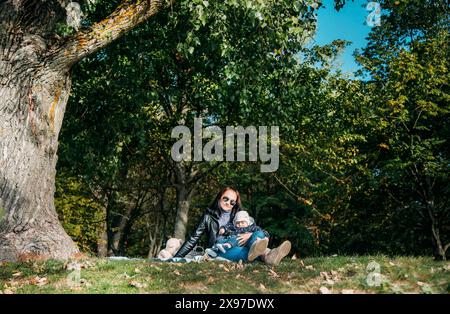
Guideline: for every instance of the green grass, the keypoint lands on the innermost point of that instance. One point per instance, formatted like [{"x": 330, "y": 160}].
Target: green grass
[{"x": 339, "y": 274}]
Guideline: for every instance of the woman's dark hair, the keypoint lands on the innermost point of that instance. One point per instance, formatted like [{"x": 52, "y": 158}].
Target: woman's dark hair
[{"x": 215, "y": 206}]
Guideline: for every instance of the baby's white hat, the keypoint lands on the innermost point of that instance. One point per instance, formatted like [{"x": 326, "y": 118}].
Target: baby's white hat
[{"x": 243, "y": 216}]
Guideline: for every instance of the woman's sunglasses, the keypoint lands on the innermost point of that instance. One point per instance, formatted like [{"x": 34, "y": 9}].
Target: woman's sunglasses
[{"x": 226, "y": 200}]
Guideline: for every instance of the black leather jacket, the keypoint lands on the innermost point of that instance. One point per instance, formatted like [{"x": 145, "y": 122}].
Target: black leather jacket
[{"x": 209, "y": 223}]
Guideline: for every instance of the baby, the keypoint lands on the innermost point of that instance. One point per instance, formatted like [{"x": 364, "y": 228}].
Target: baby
[{"x": 228, "y": 234}]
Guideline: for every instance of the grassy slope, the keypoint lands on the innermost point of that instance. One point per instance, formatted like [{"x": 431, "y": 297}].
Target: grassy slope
[{"x": 338, "y": 274}]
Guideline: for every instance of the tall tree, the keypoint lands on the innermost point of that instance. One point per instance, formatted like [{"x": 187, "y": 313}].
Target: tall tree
[
  {"x": 408, "y": 58},
  {"x": 34, "y": 88}
]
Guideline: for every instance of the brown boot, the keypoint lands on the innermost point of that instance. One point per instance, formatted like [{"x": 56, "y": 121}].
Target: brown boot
[
  {"x": 258, "y": 248},
  {"x": 274, "y": 256}
]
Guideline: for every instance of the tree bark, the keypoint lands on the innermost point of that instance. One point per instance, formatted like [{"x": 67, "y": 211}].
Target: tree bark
[
  {"x": 431, "y": 209},
  {"x": 34, "y": 89},
  {"x": 118, "y": 229},
  {"x": 32, "y": 106},
  {"x": 187, "y": 177},
  {"x": 184, "y": 195},
  {"x": 102, "y": 241}
]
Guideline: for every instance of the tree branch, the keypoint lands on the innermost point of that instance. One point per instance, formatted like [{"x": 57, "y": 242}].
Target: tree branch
[
  {"x": 128, "y": 15},
  {"x": 446, "y": 247}
]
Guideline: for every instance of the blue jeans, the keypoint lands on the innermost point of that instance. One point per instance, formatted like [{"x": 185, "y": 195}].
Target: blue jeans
[
  {"x": 237, "y": 253},
  {"x": 232, "y": 240}
]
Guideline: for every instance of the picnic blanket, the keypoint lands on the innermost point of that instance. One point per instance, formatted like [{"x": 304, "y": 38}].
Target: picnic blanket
[{"x": 195, "y": 259}]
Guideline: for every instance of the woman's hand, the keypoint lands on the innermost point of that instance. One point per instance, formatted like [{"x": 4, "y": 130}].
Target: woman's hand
[{"x": 243, "y": 238}]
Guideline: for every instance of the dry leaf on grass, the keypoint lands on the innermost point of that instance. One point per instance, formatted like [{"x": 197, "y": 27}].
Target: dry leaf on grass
[
  {"x": 38, "y": 281},
  {"x": 85, "y": 282},
  {"x": 137, "y": 284},
  {"x": 272, "y": 273},
  {"x": 420, "y": 283},
  {"x": 156, "y": 267},
  {"x": 239, "y": 265},
  {"x": 224, "y": 267}
]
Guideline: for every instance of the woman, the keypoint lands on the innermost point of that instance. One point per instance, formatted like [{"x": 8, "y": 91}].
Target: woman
[{"x": 252, "y": 245}]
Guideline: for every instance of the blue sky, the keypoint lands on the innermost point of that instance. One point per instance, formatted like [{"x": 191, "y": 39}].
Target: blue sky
[{"x": 349, "y": 24}]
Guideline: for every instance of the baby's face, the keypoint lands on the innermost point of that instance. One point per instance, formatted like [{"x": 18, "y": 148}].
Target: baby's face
[{"x": 241, "y": 224}]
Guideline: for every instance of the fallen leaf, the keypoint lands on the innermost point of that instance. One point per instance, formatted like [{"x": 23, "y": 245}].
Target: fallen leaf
[
  {"x": 347, "y": 291},
  {"x": 156, "y": 267},
  {"x": 8, "y": 291},
  {"x": 324, "y": 275},
  {"x": 13, "y": 283},
  {"x": 138, "y": 284},
  {"x": 240, "y": 265},
  {"x": 262, "y": 287},
  {"x": 324, "y": 290},
  {"x": 176, "y": 272},
  {"x": 38, "y": 281},
  {"x": 310, "y": 267},
  {"x": 272, "y": 273},
  {"x": 420, "y": 283},
  {"x": 17, "y": 274},
  {"x": 137, "y": 270},
  {"x": 294, "y": 257}
]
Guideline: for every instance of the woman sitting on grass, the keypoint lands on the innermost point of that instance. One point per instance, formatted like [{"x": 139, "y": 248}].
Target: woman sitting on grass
[{"x": 250, "y": 244}]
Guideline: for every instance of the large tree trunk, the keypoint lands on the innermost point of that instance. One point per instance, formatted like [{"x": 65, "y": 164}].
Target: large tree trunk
[
  {"x": 34, "y": 89},
  {"x": 117, "y": 231},
  {"x": 183, "y": 204},
  {"x": 187, "y": 176},
  {"x": 102, "y": 241},
  {"x": 33, "y": 101}
]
